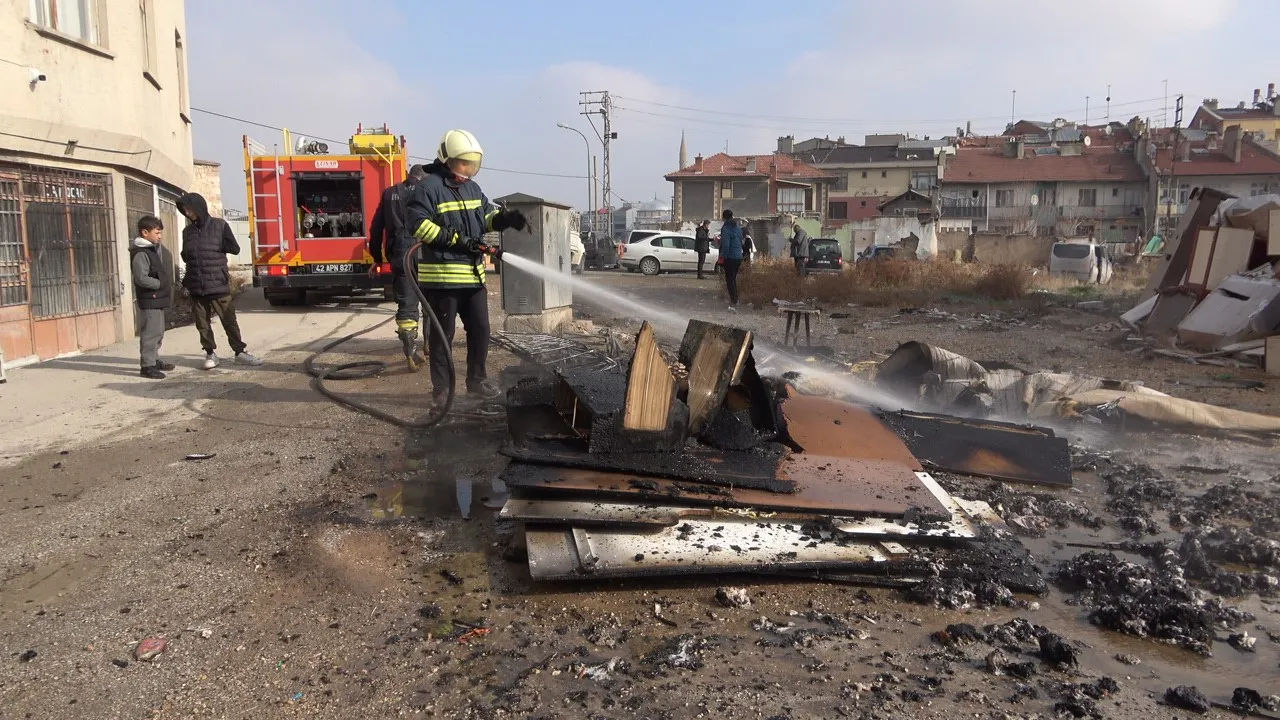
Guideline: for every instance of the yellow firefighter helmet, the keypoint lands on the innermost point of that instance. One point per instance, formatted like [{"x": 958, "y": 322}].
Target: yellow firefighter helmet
[{"x": 460, "y": 145}]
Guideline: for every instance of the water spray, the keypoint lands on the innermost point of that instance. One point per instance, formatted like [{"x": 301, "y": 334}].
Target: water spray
[{"x": 672, "y": 325}]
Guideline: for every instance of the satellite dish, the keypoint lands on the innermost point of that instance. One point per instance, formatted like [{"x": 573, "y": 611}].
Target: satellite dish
[{"x": 1088, "y": 141}]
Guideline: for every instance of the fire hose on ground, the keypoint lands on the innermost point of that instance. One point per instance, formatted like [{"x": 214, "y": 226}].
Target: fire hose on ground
[{"x": 363, "y": 369}]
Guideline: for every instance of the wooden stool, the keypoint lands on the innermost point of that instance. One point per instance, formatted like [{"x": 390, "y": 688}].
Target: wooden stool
[{"x": 794, "y": 316}]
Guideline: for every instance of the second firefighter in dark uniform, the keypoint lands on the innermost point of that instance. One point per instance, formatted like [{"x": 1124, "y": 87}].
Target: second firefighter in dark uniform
[
  {"x": 449, "y": 214},
  {"x": 389, "y": 240}
]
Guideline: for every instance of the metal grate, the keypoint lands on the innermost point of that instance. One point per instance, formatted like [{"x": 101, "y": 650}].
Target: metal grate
[
  {"x": 13, "y": 276},
  {"x": 556, "y": 353},
  {"x": 139, "y": 201},
  {"x": 69, "y": 235}
]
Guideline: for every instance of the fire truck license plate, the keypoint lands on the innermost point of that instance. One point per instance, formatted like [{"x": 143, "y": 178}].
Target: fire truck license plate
[{"x": 333, "y": 268}]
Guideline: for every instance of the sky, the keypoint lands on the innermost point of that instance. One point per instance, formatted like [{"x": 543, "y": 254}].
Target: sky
[{"x": 732, "y": 76}]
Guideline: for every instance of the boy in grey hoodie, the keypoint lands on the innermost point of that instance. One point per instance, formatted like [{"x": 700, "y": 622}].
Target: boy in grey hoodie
[{"x": 153, "y": 291}]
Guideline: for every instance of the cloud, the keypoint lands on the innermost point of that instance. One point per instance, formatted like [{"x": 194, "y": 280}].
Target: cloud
[
  {"x": 276, "y": 65},
  {"x": 862, "y": 68}
]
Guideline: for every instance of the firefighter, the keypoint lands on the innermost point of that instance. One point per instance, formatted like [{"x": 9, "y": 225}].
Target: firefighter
[
  {"x": 450, "y": 214},
  {"x": 390, "y": 221}
]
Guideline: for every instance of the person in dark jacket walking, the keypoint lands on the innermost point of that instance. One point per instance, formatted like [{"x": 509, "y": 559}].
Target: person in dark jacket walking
[
  {"x": 731, "y": 251},
  {"x": 206, "y": 243},
  {"x": 151, "y": 266},
  {"x": 388, "y": 230},
  {"x": 449, "y": 214},
  {"x": 800, "y": 249},
  {"x": 702, "y": 243},
  {"x": 748, "y": 247}
]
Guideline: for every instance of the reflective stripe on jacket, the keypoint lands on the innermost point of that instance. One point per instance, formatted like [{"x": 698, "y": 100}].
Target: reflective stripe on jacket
[{"x": 444, "y": 214}]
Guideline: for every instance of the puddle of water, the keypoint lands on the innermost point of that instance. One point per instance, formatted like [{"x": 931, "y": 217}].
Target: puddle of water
[{"x": 463, "y": 492}]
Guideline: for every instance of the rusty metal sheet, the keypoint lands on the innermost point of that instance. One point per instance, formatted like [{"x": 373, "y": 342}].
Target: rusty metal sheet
[
  {"x": 694, "y": 546},
  {"x": 846, "y": 488},
  {"x": 595, "y": 513},
  {"x": 987, "y": 449},
  {"x": 825, "y": 426}
]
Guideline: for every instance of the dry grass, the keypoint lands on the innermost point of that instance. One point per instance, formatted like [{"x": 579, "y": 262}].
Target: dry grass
[{"x": 886, "y": 283}]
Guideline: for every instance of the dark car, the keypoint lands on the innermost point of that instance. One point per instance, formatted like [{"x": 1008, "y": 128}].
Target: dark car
[
  {"x": 824, "y": 256},
  {"x": 600, "y": 253},
  {"x": 878, "y": 252}
]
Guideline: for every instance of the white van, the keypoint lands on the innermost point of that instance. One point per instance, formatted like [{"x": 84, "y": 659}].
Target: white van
[{"x": 1084, "y": 260}]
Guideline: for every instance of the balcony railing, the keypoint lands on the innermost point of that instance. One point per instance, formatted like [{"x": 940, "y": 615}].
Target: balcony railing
[
  {"x": 956, "y": 210},
  {"x": 1110, "y": 211}
]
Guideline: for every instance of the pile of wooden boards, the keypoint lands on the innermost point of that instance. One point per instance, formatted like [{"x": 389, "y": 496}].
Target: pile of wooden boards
[
  {"x": 1216, "y": 286},
  {"x": 650, "y": 471}
]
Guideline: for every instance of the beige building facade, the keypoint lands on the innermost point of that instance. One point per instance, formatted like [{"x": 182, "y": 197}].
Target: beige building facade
[{"x": 95, "y": 132}]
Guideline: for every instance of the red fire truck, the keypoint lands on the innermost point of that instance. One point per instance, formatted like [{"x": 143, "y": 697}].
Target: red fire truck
[{"x": 309, "y": 213}]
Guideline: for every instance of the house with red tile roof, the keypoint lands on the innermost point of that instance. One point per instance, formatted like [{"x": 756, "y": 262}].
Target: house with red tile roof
[
  {"x": 753, "y": 186},
  {"x": 1259, "y": 120},
  {"x": 1233, "y": 162},
  {"x": 1059, "y": 181}
]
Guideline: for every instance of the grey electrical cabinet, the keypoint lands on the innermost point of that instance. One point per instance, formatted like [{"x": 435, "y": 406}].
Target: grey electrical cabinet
[{"x": 546, "y": 242}]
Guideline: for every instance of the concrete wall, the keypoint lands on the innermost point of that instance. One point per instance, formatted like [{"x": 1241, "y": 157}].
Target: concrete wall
[
  {"x": 952, "y": 241},
  {"x": 991, "y": 248},
  {"x": 241, "y": 229}
]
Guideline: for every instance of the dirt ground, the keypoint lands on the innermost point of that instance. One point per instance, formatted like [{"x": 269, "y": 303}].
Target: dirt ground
[{"x": 318, "y": 565}]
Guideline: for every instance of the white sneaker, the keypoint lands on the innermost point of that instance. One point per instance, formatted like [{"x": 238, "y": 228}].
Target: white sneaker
[
  {"x": 245, "y": 358},
  {"x": 733, "y": 308},
  {"x": 210, "y": 361}
]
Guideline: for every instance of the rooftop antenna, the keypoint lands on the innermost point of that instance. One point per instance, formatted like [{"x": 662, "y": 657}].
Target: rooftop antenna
[
  {"x": 1013, "y": 111},
  {"x": 1108, "y": 104},
  {"x": 1086, "y": 110}
]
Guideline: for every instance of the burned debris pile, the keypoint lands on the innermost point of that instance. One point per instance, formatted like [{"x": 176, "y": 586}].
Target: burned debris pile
[
  {"x": 698, "y": 464},
  {"x": 951, "y": 383}
]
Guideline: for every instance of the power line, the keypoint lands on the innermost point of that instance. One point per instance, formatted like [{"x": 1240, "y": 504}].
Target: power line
[
  {"x": 342, "y": 142},
  {"x": 761, "y": 126},
  {"x": 853, "y": 121}
]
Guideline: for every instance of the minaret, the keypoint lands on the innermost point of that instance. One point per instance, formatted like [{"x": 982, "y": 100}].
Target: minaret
[{"x": 684, "y": 152}]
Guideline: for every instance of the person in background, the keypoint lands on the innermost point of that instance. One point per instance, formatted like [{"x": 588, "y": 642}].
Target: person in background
[
  {"x": 800, "y": 249},
  {"x": 152, "y": 268},
  {"x": 702, "y": 243},
  {"x": 206, "y": 243},
  {"x": 748, "y": 247},
  {"x": 731, "y": 253},
  {"x": 389, "y": 230}
]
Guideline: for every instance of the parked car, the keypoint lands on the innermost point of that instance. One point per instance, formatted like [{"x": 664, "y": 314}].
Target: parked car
[
  {"x": 1084, "y": 260},
  {"x": 601, "y": 253},
  {"x": 667, "y": 252},
  {"x": 824, "y": 256},
  {"x": 877, "y": 252},
  {"x": 577, "y": 254}
]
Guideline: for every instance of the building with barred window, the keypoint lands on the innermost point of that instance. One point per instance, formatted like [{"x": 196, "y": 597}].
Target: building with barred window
[{"x": 95, "y": 132}]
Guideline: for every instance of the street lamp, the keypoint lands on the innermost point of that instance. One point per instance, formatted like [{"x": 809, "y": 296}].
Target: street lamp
[{"x": 590, "y": 192}]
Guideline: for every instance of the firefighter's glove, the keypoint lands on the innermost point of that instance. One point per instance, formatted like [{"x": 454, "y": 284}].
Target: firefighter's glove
[
  {"x": 474, "y": 246},
  {"x": 509, "y": 220}
]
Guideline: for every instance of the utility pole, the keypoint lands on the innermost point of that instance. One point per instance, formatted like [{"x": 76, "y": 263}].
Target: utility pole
[
  {"x": 1013, "y": 109},
  {"x": 599, "y": 103},
  {"x": 1173, "y": 163}
]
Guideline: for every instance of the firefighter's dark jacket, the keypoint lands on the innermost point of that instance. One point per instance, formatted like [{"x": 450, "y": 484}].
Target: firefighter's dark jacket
[
  {"x": 388, "y": 236},
  {"x": 444, "y": 214}
]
